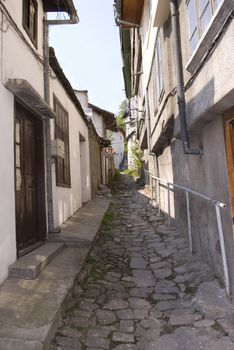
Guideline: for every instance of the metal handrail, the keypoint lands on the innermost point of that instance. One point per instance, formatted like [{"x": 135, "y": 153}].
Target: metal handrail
[{"x": 217, "y": 204}]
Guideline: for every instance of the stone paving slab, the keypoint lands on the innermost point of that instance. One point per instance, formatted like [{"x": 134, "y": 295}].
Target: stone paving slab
[
  {"x": 144, "y": 290},
  {"x": 31, "y": 310}
]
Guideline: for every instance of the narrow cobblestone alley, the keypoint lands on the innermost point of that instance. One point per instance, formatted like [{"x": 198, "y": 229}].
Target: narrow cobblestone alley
[{"x": 139, "y": 293}]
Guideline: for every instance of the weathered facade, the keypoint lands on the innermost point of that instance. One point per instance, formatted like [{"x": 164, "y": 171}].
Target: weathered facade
[
  {"x": 95, "y": 159},
  {"x": 117, "y": 142},
  {"x": 69, "y": 194},
  {"x": 180, "y": 57},
  {"x": 104, "y": 122},
  {"x": 40, "y": 178}
]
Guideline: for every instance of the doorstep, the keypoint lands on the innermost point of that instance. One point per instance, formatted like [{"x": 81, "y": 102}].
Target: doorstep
[
  {"x": 30, "y": 310},
  {"x": 30, "y": 265}
]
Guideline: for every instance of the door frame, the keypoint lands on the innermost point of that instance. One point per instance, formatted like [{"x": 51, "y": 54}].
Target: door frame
[{"x": 41, "y": 193}]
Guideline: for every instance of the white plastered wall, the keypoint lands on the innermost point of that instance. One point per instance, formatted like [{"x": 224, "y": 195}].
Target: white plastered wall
[
  {"x": 16, "y": 61},
  {"x": 66, "y": 201},
  {"x": 99, "y": 124},
  {"x": 7, "y": 185},
  {"x": 117, "y": 142}
]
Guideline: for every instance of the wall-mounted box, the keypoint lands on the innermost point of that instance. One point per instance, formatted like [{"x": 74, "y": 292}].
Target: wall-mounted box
[{"x": 57, "y": 148}]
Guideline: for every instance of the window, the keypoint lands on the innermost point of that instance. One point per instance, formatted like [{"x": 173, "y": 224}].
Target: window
[
  {"x": 152, "y": 92},
  {"x": 30, "y": 19},
  {"x": 200, "y": 13},
  {"x": 63, "y": 177},
  {"x": 159, "y": 68}
]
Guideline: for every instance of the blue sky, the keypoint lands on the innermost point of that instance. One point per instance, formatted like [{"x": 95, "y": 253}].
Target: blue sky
[{"x": 89, "y": 53}]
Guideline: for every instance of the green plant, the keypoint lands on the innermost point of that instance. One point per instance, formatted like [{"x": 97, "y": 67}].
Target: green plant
[
  {"x": 131, "y": 172},
  {"x": 137, "y": 155},
  {"x": 107, "y": 218},
  {"x": 119, "y": 116},
  {"x": 117, "y": 174}
]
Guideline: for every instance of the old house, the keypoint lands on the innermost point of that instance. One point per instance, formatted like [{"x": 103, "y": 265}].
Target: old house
[
  {"x": 118, "y": 144},
  {"x": 103, "y": 122},
  {"x": 70, "y": 173},
  {"x": 44, "y": 136},
  {"x": 178, "y": 71}
]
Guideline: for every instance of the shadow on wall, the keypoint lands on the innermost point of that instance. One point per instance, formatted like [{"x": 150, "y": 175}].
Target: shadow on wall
[
  {"x": 66, "y": 209},
  {"x": 206, "y": 174}
]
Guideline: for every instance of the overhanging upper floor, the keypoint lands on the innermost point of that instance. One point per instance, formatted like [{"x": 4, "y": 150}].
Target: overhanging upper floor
[{"x": 59, "y": 6}]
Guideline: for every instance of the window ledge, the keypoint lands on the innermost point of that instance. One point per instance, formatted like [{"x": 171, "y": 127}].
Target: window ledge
[{"x": 209, "y": 35}]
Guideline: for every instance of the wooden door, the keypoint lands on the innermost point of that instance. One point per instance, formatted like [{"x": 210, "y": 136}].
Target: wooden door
[
  {"x": 229, "y": 140},
  {"x": 29, "y": 180}
]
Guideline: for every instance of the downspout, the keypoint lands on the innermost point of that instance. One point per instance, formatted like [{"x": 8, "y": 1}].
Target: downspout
[
  {"x": 48, "y": 130},
  {"x": 148, "y": 126},
  {"x": 180, "y": 81},
  {"x": 73, "y": 19}
]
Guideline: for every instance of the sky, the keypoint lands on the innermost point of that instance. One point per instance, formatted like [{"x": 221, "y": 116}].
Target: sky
[{"x": 89, "y": 53}]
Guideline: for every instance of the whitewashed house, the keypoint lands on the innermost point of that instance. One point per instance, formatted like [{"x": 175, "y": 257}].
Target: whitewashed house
[
  {"x": 38, "y": 191},
  {"x": 117, "y": 142},
  {"x": 105, "y": 126},
  {"x": 71, "y": 174}
]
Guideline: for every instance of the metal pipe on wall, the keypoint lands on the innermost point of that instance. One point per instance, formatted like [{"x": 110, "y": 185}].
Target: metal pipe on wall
[
  {"x": 179, "y": 80},
  {"x": 48, "y": 130},
  {"x": 148, "y": 125},
  {"x": 73, "y": 20}
]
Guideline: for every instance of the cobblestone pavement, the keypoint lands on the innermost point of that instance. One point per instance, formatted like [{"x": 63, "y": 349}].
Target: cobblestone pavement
[{"x": 139, "y": 293}]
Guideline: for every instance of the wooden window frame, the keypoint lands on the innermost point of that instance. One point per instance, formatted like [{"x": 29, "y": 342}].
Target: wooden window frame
[
  {"x": 198, "y": 16},
  {"x": 62, "y": 129},
  {"x": 26, "y": 19}
]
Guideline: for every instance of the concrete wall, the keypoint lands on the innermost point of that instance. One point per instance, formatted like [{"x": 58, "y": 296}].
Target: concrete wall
[
  {"x": 66, "y": 201},
  {"x": 16, "y": 61},
  {"x": 209, "y": 95}
]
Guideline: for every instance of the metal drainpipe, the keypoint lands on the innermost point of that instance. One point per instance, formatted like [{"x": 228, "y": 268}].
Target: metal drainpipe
[
  {"x": 73, "y": 20},
  {"x": 148, "y": 121},
  {"x": 179, "y": 80},
  {"x": 48, "y": 130}
]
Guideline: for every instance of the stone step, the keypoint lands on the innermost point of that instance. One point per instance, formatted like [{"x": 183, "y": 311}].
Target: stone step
[
  {"x": 30, "y": 266},
  {"x": 32, "y": 309}
]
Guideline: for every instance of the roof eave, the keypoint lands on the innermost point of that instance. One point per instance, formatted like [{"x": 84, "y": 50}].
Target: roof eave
[{"x": 59, "y": 6}]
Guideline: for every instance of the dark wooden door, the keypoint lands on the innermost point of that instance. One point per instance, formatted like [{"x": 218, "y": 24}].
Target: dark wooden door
[
  {"x": 229, "y": 140},
  {"x": 29, "y": 180}
]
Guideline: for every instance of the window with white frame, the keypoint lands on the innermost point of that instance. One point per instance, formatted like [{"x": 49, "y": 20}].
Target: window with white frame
[
  {"x": 200, "y": 13},
  {"x": 159, "y": 68}
]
